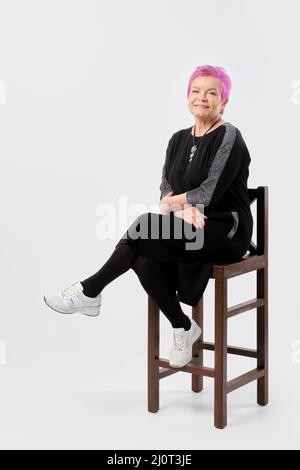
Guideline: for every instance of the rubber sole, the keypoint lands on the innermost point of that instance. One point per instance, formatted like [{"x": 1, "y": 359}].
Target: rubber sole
[{"x": 92, "y": 311}]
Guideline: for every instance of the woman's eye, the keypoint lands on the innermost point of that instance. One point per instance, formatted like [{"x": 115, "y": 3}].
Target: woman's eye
[{"x": 195, "y": 91}]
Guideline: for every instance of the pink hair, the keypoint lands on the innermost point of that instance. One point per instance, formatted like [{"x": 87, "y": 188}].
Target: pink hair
[{"x": 213, "y": 71}]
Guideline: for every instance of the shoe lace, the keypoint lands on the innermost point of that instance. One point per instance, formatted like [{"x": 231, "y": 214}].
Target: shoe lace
[
  {"x": 180, "y": 340},
  {"x": 70, "y": 291}
]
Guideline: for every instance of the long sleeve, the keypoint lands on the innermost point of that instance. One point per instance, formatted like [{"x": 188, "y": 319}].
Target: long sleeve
[
  {"x": 230, "y": 158},
  {"x": 165, "y": 186}
]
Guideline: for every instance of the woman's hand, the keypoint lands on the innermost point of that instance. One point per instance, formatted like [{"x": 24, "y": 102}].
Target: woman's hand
[
  {"x": 165, "y": 203},
  {"x": 168, "y": 203},
  {"x": 166, "y": 197},
  {"x": 191, "y": 215}
]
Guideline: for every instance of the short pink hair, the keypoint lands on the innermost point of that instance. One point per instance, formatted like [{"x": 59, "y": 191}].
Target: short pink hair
[{"x": 213, "y": 71}]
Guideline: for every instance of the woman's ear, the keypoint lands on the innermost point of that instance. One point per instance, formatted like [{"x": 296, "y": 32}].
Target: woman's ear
[{"x": 224, "y": 103}]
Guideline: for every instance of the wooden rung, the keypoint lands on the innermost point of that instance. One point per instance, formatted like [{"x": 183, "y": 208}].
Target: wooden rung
[
  {"x": 245, "y": 379},
  {"x": 231, "y": 349},
  {"x": 165, "y": 372},
  {"x": 192, "y": 367},
  {"x": 245, "y": 306}
]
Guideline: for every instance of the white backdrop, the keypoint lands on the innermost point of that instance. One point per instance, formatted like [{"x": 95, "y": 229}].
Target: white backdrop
[{"x": 90, "y": 93}]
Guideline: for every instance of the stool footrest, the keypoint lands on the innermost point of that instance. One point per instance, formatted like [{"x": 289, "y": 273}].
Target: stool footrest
[
  {"x": 230, "y": 349},
  {"x": 192, "y": 367},
  {"x": 245, "y": 306},
  {"x": 245, "y": 379}
]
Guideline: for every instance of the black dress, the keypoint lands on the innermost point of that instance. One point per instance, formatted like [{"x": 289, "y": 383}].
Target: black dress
[{"x": 216, "y": 179}]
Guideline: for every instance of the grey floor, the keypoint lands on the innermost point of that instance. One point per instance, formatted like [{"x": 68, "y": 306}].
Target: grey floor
[{"x": 71, "y": 407}]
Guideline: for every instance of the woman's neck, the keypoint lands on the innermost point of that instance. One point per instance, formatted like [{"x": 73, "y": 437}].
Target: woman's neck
[{"x": 199, "y": 130}]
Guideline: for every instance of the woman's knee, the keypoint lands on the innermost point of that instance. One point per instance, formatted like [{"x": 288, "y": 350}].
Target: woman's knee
[
  {"x": 146, "y": 216},
  {"x": 146, "y": 223},
  {"x": 143, "y": 265}
]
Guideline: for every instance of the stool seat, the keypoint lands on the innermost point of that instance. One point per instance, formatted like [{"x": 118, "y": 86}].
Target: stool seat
[
  {"x": 256, "y": 260},
  {"x": 245, "y": 264}
]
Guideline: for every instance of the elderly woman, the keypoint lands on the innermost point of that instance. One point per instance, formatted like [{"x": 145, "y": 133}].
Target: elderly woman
[{"x": 204, "y": 190}]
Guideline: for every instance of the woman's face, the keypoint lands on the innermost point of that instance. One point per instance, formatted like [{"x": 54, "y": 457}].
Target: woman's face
[{"x": 204, "y": 100}]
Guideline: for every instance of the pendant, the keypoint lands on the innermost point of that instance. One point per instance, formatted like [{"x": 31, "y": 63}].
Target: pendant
[{"x": 193, "y": 150}]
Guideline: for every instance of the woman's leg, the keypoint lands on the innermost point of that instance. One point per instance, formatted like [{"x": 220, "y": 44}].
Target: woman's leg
[
  {"x": 141, "y": 254},
  {"x": 119, "y": 262},
  {"x": 156, "y": 283},
  {"x": 153, "y": 276},
  {"x": 124, "y": 255}
]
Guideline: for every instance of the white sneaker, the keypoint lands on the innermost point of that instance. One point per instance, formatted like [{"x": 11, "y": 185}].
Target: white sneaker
[
  {"x": 73, "y": 300},
  {"x": 183, "y": 340}
]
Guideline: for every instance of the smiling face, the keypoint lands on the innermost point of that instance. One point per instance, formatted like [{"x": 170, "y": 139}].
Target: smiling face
[{"x": 204, "y": 100}]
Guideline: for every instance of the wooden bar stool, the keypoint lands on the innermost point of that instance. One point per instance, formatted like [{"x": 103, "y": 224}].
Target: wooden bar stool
[{"x": 255, "y": 260}]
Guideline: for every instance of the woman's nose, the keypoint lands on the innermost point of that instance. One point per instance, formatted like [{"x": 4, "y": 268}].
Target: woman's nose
[{"x": 202, "y": 99}]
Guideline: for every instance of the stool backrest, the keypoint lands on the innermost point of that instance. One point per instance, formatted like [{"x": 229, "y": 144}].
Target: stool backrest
[{"x": 261, "y": 196}]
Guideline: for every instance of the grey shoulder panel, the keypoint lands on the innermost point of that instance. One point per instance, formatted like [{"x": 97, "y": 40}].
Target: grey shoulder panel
[{"x": 204, "y": 192}]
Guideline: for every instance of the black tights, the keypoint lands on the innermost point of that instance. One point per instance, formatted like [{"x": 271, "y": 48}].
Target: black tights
[{"x": 153, "y": 276}]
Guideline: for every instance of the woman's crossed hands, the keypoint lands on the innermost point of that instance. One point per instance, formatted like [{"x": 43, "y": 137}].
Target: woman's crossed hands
[{"x": 190, "y": 214}]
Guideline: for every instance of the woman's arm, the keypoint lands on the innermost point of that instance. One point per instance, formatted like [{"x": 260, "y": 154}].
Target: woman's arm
[
  {"x": 229, "y": 160},
  {"x": 165, "y": 186},
  {"x": 231, "y": 157},
  {"x": 170, "y": 203}
]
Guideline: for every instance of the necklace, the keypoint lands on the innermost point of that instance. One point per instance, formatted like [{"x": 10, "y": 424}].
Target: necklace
[{"x": 194, "y": 148}]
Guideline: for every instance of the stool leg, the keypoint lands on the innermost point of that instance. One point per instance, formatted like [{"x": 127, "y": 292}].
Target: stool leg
[
  {"x": 220, "y": 350},
  {"x": 153, "y": 354},
  {"x": 197, "y": 315},
  {"x": 262, "y": 336}
]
